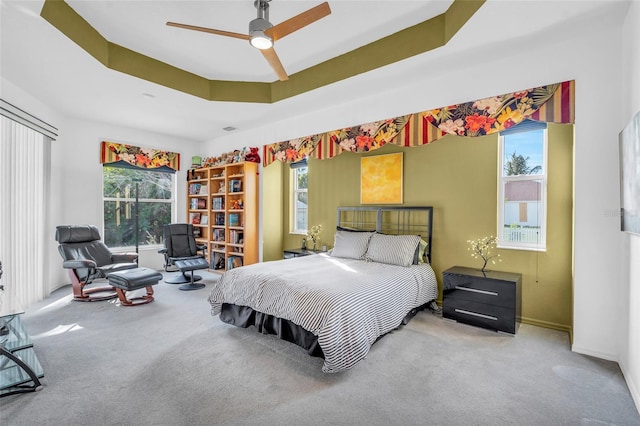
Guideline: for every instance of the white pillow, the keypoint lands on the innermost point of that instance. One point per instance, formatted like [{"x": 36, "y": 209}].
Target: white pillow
[
  {"x": 392, "y": 249},
  {"x": 350, "y": 245}
]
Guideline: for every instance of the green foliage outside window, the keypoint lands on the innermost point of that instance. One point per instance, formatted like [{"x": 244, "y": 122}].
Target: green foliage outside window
[{"x": 155, "y": 202}]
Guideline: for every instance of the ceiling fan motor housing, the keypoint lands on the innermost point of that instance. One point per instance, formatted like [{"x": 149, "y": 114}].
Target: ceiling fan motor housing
[{"x": 259, "y": 24}]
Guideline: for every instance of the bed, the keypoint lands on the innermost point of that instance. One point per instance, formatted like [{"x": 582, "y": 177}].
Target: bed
[{"x": 337, "y": 304}]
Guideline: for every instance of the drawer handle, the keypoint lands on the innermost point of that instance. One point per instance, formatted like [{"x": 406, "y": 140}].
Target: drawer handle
[
  {"x": 475, "y": 314},
  {"x": 474, "y": 290}
]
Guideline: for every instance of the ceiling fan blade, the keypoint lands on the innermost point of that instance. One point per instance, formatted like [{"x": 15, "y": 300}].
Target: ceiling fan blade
[
  {"x": 209, "y": 30},
  {"x": 271, "y": 57},
  {"x": 299, "y": 21}
]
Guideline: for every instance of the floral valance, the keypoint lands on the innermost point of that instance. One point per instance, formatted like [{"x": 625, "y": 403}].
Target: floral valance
[
  {"x": 551, "y": 103},
  {"x": 134, "y": 156}
]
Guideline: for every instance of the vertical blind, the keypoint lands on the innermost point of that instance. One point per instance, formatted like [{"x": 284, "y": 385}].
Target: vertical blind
[{"x": 24, "y": 195}]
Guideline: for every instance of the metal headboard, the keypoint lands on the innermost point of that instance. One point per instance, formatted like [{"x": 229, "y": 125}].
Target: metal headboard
[{"x": 389, "y": 220}]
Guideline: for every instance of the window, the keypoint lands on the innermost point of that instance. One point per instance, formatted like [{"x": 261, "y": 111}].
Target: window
[
  {"x": 523, "y": 187},
  {"x": 299, "y": 196},
  {"x": 156, "y": 205}
]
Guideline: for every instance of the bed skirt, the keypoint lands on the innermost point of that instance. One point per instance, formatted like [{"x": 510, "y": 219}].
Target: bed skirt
[{"x": 244, "y": 316}]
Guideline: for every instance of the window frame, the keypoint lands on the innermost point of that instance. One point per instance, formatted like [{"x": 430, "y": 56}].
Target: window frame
[
  {"x": 131, "y": 199},
  {"x": 541, "y": 245},
  {"x": 294, "y": 199}
]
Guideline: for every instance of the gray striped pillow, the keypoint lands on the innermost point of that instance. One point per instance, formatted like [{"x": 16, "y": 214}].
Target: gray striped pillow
[
  {"x": 392, "y": 249},
  {"x": 350, "y": 245}
]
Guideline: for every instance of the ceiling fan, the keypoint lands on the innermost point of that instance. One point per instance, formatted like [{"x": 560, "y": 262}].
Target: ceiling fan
[{"x": 262, "y": 34}]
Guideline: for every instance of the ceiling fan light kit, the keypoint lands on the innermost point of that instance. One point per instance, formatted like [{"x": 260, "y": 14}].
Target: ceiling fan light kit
[
  {"x": 258, "y": 26},
  {"x": 262, "y": 34}
]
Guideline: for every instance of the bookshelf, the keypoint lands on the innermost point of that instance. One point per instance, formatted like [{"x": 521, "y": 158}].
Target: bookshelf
[
  {"x": 230, "y": 229},
  {"x": 197, "y": 205}
]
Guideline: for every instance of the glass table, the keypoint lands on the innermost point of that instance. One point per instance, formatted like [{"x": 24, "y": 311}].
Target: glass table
[{"x": 20, "y": 370}]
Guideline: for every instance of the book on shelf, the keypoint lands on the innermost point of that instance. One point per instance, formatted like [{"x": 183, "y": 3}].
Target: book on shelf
[
  {"x": 236, "y": 237},
  {"x": 197, "y": 232},
  {"x": 218, "y": 203},
  {"x": 217, "y": 261},
  {"x": 219, "y": 219},
  {"x": 235, "y": 185},
  {"x": 198, "y": 204},
  {"x": 194, "y": 218},
  {"x": 204, "y": 190},
  {"x": 234, "y": 262},
  {"x": 218, "y": 234},
  {"x": 194, "y": 188},
  {"x": 234, "y": 219},
  {"x": 204, "y": 219}
]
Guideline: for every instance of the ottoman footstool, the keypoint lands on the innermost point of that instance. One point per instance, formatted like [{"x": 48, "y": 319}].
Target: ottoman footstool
[
  {"x": 134, "y": 279},
  {"x": 191, "y": 265}
]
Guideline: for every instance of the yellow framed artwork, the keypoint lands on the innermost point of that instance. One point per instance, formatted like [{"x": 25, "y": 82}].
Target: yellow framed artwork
[{"x": 381, "y": 179}]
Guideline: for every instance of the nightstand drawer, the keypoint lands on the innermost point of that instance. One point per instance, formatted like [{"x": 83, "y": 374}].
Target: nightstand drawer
[
  {"x": 482, "y": 291},
  {"x": 482, "y": 315}
]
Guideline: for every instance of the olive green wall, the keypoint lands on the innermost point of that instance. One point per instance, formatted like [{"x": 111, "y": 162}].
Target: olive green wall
[
  {"x": 272, "y": 201},
  {"x": 458, "y": 177}
]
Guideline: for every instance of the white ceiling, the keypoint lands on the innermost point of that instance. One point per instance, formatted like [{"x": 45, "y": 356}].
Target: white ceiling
[{"x": 40, "y": 60}]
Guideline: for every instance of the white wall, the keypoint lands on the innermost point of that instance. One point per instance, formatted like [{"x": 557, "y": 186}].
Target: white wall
[
  {"x": 629, "y": 351},
  {"x": 76, "y": 172},
  {"x": 592, "y": 55}
]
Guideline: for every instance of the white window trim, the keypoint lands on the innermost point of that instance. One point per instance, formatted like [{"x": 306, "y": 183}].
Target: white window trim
[
  {"x": 293, "y": 201},
  {"x": 501, "y": 185}
]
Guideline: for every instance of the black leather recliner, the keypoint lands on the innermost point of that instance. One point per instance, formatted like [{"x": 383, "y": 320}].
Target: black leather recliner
[
  {"x": 87, "y": 258},
  {"x": 180, "y": 246}
]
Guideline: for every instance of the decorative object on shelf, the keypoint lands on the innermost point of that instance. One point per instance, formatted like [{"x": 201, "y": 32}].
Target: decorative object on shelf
[
  {"x": 252, "y": 156},
  {"x": 237, "y": 204},
  {"x": 482, "y": 249},
  {"x": 381, "y": 179},
  {"x": 236, "y": 156},
  {"x": 314, "y": 235},
  {"x": 196, "y": 161}
]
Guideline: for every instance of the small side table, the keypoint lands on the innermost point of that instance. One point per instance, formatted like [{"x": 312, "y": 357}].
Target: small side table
[
  {"x": 20, "y": 370},
  {"x": 291, "y": 253}
]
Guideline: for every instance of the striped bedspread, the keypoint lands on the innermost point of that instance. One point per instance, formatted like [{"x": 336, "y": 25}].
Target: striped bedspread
[{"x": 347, "y": 303}]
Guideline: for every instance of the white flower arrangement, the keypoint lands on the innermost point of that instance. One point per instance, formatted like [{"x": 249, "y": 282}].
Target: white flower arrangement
[
  {"x": 482, "y": 249},
  {"x": 314, "y": 234}
]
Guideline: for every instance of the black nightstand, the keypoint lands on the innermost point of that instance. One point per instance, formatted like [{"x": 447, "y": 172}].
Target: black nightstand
[
  {"x": 489, "y": 299},
  {"x": 291, "y": 253}
]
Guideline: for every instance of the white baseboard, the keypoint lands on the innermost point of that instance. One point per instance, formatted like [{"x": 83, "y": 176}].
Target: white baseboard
[
  {"x": 633, "y": 388},
  {"x": 597, "y": 354}
]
